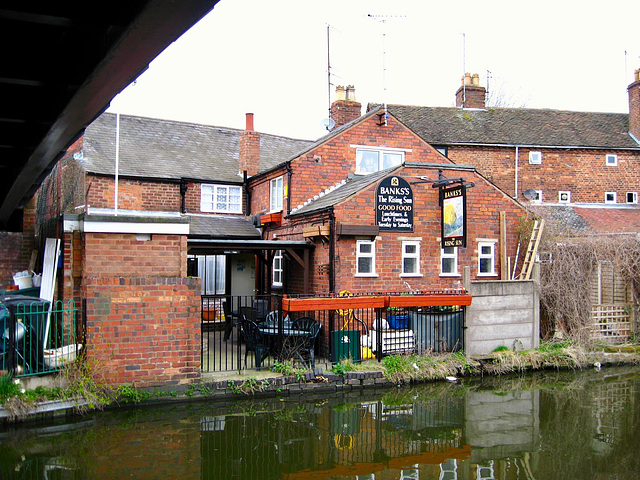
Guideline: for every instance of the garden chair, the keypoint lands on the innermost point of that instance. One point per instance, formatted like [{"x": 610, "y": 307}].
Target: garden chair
[
  {"x": 308, "y": 342},
  {"x": 254, "y": 342}
]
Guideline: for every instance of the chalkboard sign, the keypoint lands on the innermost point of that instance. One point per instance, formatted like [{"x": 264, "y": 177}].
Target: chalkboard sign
[{"x": 394, "y": 205}]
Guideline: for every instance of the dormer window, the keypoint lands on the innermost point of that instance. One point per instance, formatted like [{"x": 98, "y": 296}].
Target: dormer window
[
  {"x": 370, "y": 160},
  {"x": 535, "y": 158}
]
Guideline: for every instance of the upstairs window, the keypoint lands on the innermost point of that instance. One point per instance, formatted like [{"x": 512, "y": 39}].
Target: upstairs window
[
  {"x": 370, "y": 160},
  {"x": 632, "y": 197},
  {"x": 221, "y": 198},
  {"x": 535, "y": 158},
  {"x": 612, "y": 160},
  {"x": 411, "y": 258},
  {"x": 610, "y": 197},
  {"x": 564, "y": 197},
  {"x": 365, "y": 258},
  {"x": 276, "y": 194}
]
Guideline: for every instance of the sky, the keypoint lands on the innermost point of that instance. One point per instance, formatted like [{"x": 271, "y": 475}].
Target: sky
[{"x": 282, "y": 59}]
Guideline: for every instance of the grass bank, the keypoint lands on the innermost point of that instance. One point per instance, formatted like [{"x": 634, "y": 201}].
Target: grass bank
[{"x": 82, "y": 387}]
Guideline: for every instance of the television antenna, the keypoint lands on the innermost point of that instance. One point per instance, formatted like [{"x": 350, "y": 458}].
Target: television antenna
[
  {"x": 328, "y": 123},
  {"x": 383, "y": 20}
]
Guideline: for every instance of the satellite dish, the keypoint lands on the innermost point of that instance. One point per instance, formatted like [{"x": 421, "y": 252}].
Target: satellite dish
[
  {"x": 328, "y": 124},
  {"x": 530, "y": 194}
]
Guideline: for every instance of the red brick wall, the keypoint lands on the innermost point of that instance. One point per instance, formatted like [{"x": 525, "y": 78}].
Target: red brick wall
[
  {"x": 331, "y": 162},
  {"x": 16, "y": 248},
  {"x": 120, "y": 254},
  {"x": 583, "y": 172},
  {"x": 484, "y": 204},
  {"x": 144, "y": 330},
  {"x": 133, "y": 194}
]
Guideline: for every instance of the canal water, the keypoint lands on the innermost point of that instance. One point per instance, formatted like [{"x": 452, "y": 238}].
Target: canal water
[{"x": 552, "y": 425}]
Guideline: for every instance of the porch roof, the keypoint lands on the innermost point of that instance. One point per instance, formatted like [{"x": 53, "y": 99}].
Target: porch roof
[{"x": 236, "y": 244}]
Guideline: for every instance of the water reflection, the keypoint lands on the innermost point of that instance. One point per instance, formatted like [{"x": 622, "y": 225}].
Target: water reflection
[{"x": 545, "y": 426}]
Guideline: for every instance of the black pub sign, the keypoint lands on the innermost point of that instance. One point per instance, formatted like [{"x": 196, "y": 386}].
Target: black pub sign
[
  {"x": 394, "y": 205},
  {"x": 454, "y": 216}
]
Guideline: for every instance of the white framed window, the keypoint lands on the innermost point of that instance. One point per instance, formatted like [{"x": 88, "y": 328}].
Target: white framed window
[
  {"x": 611, "y": 160},
  {"x": 486, "y": 258},
  {"x": 277, "y": 269},
  {"x": 411, "y": 258},
  {"x": 211, "y": 269},
  {"x": 449, "y": 261},
  {"x": 535, "y": 158},
  {"x": 370, "y": 160},
  {"x": 632, "y": 197},
  {"x": 220, "y": 198},
  {"x": 564, "y": 196},
  {"x": 610, "y": 197},
  {"x": 365, "y": 258},
  {"x": 537, "y": 196},
  {"x": 276, "y": 194}
]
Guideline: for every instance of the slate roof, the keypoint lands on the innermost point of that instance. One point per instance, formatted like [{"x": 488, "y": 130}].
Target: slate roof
[
  {"x": 596, "y": 219},
  {"x": 341, "y": 192},
  {"x": 232, "y": 227},
  {"x": 165, "y": 149},
  {"x": 516, "y": 126}
]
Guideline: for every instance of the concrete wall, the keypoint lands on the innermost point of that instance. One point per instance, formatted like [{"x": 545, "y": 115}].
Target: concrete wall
[{"x": 502, "y": 313}]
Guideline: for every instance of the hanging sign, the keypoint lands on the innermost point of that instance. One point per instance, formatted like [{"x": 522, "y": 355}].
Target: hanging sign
[
  {"x": 454, "y": 216},
  {"x": 394, "y": 205}
]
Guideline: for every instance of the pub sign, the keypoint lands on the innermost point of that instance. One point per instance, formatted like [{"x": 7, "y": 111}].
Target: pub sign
[
  {"x": 454, "y": 216},
  {"x": 394, "y": 205}
]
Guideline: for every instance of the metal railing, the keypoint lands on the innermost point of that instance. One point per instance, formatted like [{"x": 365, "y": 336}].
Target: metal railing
[
  {"x": 38, "y": 336},
  {"x": 358, "y": 334}
]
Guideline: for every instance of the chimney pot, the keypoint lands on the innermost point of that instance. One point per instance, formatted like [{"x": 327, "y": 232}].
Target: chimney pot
[
  {"x": 351, "y": 93},
  {"x": 249, "y": 122},
  {"x": 340, "y": 93}
]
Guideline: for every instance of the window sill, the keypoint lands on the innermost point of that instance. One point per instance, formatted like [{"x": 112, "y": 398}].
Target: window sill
[
  {"x": 449, "y": 275},
  {"x": 367, "y": 275},
  {"x": 487, "y": 275},
  {"x": 411, "y": 275}
]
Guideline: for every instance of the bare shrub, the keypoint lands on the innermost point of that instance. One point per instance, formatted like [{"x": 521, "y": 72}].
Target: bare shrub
[{"x": 566, "y": 279}]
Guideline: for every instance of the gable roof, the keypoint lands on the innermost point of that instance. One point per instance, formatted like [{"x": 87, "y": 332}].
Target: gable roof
[
  {"x": 516, "y": 126},
  {"x": 165, "y": 149},
  {"x": 341, "y": 192}
]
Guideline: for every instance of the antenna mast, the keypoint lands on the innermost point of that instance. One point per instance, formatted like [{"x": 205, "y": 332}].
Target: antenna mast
[
  {"x": 383, "y": 19},
  {"x": 328, "y": 70},
  {"x": 464, "y": 70}
]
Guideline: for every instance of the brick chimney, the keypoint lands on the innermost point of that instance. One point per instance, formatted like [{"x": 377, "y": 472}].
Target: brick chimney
[
  {"x": 634, "y": 105},
  {"x": 471, "y": 94},
  {"x": 249, "y": 158},
  {"x": 345, "y": 108}
]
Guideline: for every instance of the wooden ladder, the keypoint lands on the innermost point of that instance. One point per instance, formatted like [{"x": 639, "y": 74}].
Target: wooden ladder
[{"x": 532, "y": 250}]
